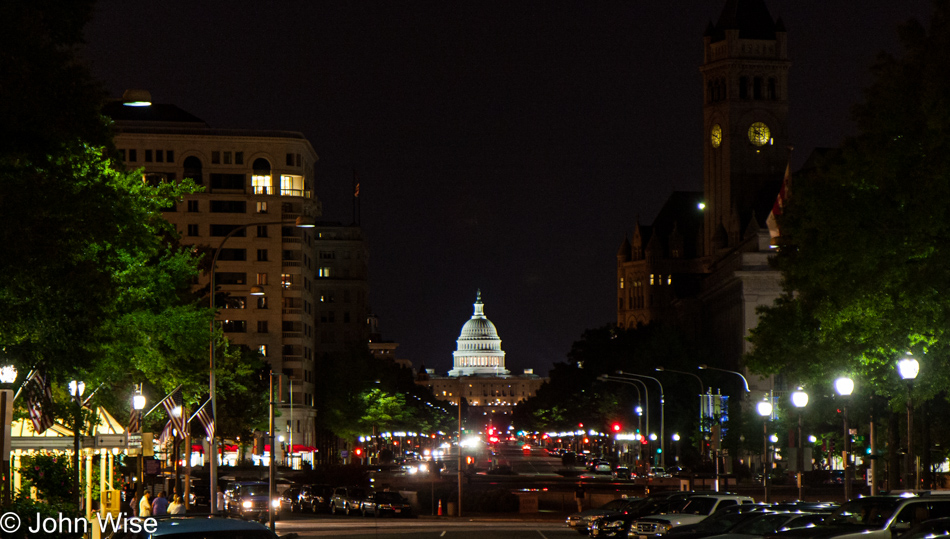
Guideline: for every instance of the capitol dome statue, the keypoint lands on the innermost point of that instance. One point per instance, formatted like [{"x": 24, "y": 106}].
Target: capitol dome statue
[{"x": 479, "y": 347}]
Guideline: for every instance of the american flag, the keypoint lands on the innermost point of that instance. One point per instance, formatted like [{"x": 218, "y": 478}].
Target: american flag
[
  {"x": 173, "y": 406},
  {"x": 206, "y": 417},
  {"x": 40, "y": 400},
  {"x": 168, "y": 433}
]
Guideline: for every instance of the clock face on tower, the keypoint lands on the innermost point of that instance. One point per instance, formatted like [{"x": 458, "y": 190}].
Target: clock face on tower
[
  {"x": 715, "y": 135},
  {"x": 759, "y": 134}
]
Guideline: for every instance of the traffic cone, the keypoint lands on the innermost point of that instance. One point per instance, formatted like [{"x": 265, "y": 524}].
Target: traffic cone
[{"x": 440, "y": 508}]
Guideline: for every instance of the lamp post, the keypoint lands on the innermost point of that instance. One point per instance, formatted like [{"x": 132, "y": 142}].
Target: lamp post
[
  {"x": 800, "y": 401},
  {"x": 908, "y": 368},
  {"x": 646, "y": 392},
  {"x": 739, "y": 374},
  {"x": 138, "y": 404},
  {"x": 764, "y": 409},
  {"x": 76, "y": 389},
  {"x": 844, "y": 386},
  {"x": 662, "y": 413},
  {"x": 301, "y": 222},
  {"x": 702, "y": 388}
]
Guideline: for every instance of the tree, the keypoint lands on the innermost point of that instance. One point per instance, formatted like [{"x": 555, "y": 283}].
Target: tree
[{"x": 865, "y": 254}]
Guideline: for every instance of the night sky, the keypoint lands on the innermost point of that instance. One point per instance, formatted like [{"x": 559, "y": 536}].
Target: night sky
[{"x": 502, "y": 145}]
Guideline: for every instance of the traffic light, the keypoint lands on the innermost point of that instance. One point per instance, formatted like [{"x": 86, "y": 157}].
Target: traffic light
[
  {"x": 358, "y": 452},
  {"x": 615, "y": 427}
]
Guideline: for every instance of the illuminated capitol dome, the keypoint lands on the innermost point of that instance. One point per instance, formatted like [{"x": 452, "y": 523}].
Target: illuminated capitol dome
[{"x": 479, "y": 347}]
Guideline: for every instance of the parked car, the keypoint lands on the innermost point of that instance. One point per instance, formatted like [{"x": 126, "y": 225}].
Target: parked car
[
  {"x": 315, "y": 498},
  {"x": 695, "y": 510},
  {"x": 769, "y": 522},
  {"x": 580, "y": 522},
  {"x": 622, "y": 472},
  {"x": 385, "y": 503},
  {"x": 347, "y": 500},
  {"x": 876, "y": 517},
  {"x": 189, "y": 527},
  {"x": 937, "y": 527},
  {"x": 717, "y": 523},
  {"x": 250, "y": 500},
  {"x": 290, "y": 499}
]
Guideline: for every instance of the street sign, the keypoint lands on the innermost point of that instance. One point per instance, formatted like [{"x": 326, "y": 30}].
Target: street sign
[
  {"x": 108, "y": 441},
  {"x": 135, "y": 440}
]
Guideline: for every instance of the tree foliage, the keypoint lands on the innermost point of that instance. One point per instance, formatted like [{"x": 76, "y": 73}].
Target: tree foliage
[{"x": 865, "y": 250}]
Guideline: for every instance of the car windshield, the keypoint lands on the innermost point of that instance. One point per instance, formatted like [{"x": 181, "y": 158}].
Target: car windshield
[
  {"x": 614, "y": 505},
  {"x": 866, "y": 511},
  {"x": 254, "y": 490},
  {"x": 698, "y": 506}
]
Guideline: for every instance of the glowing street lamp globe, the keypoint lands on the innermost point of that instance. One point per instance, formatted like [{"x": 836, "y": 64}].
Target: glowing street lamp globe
[
  {"x": 800, "y": 398},
  {"x": 908, "y": 368},
  {"x": 844, "y": 386},
  {"x": 764, "y": 408},
  {"x": 8, "y": 374}
]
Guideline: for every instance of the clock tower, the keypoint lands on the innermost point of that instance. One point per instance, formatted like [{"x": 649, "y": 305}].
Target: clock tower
[{"x": 745, "y": 119}]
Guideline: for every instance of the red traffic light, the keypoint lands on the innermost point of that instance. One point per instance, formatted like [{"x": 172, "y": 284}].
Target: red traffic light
[
  {"x": 358, "y": 451},
  {"x": 615, "y": 427}
]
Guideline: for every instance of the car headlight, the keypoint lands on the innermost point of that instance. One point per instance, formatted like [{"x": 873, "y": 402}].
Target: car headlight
[
  {"x": 275, "y": 503},
  {"x": 612, "y": 524},
  {"x": 594, "y": 517},
  {"x": 247, "y": 504}
]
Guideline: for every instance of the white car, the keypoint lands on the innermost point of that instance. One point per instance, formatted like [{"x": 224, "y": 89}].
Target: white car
[{"x": 695, "y": 510}]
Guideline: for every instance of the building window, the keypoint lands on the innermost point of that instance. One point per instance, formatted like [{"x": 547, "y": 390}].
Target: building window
[
  {"x": 621, "y": 283},
  {"x": 291, "y": 186},
  {"x": 261, "y": 279},
  {"x": 262, "y": 350},
  {"x": 286, "y": 280},
  {"x": 757, "y": 88},
  {"x": 192, "y": 230},
  {"x": 261, "y": 177},
  {"x": 669, "y": 279},
  {"x": 327, "y": 255},
  {"x": 238, "y": 158},
  {"x": 235, "y": 302},
  {"x": 346, "y": 317},
  {"x": 133, "y": 155},
  {"x": 193, "y": 206},
  {"x": 227, "y": 158},
  {"x": 262, "y": 302},
  {"x": 228, "y": 206},
  {"x": 148, "y": 156},
  {"x": 743, "y": 87},
  {"x": 261, "y": 231},
  {"x": 323, "y": 272},
  {"x": 192, "y": 167},
  {"x": 261, "y": 207},
  {"x": 652, "y": 281},
  {"x": 262, "y": 255},
  {"x": 234, "y": 326},
  {"x": 262, "y": 326},
  {"x": 230, "y": 277},
  {"x": 290, "y": 160},
  {"x": 170, "y": 156},
  {"x": 215, "y": 158}
]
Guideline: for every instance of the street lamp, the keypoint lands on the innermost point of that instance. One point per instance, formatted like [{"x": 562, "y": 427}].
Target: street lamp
[
  {"x": 300, "y": 222},
  {"x": 908, "y": 368},
  {"x": 646, "y": 393},
  {"x": 800, "y": 401},
  {"x": 764, "y": 408},
  {"x": 844, "y": 386},
  {"x": 138, "y": 404},
  {"x": 662, "y": 413},
  {"x": 76, "y": 389},
  {"x": 739, "y": 374}
]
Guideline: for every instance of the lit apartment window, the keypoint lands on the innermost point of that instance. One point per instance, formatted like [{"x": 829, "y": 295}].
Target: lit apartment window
[
  {"x": 261, "y": 279},
  {"x": 291, "y": 185},
  {"x": 621, "y": 282},
  {"x": 286, "y": 279},
  {"x": 262, "y": 350},
  {"x": 261, "y": 177},
  {"x": 323, "y": 272},
  {"x": 262, "y": 302},
  {"x": 669, "y": 279},
  {"x": 261, "y": 207},
  {"x": 652, "y": 278}
]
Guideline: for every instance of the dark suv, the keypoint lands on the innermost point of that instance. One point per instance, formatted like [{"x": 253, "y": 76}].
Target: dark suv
[
  {"x": 315, "y": 498},
  {"x": 248, "y": 499}
]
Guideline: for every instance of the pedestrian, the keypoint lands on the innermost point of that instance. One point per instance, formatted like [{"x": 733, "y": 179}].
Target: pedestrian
[
  {"x": 160, "y": 505},
  {"x": 579, "y": 497},
  {"x": 145, "y": 506},
  {"x": 176, "y": 507}
]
